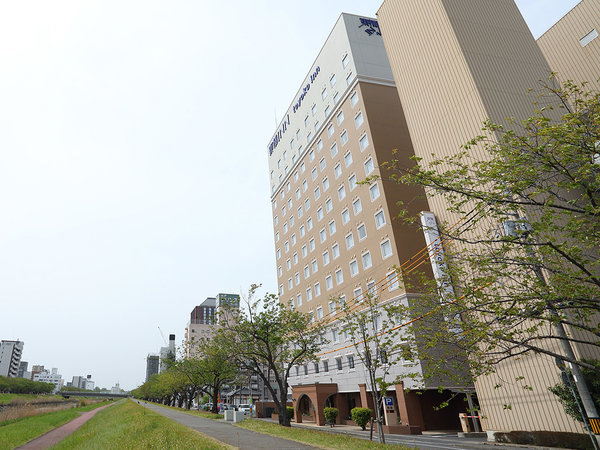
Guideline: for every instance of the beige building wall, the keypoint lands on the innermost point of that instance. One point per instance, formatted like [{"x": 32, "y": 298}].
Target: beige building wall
[
  {"x": 570, "y": 46},
  {"x": 456, "y": 65}
]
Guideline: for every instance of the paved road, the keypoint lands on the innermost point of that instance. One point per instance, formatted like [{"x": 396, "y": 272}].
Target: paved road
[
  {"x": 229, "y": 434},
  {"x": 58, "y": 434}
]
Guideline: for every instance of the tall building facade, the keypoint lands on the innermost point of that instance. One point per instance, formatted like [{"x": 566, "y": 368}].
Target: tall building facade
[
  {"x": 10, "y": 357},
  {"x": 337, "y": 239},
  {"x": 152, "y": 365},
  {"x": 50, "y": 377},
  {"x": 457, "y": 63},
  {"x": 200, "y": 326}
]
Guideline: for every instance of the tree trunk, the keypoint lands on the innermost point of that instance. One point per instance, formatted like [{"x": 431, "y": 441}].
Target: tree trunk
[{"x": 284, "y": 420}]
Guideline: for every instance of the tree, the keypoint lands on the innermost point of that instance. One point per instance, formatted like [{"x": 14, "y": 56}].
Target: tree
[
  {"x": 569, "y": 397},
  {"x": 268, "y": 339},
  {"x": 523, "y": 255}
]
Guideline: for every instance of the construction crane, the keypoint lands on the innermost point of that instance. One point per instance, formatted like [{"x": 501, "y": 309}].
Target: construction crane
[{"x": 163, "y": 337}]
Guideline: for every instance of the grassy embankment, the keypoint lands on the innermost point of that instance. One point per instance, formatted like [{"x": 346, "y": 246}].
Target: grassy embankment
[
  {"x": 14, "y": 433},
  {"x": 129, "y": 425},
  {"x": 193, "y": 412},
  {"x": 317, "y": 438},
  {"x": 5, "y": 398}
]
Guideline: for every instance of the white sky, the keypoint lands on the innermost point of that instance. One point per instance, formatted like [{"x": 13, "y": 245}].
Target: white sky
[{"x": 133, "y": 170}]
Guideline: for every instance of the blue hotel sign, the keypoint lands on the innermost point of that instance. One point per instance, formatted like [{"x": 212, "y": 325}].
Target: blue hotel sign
[
  {"x": 371, "y": 26},
  {"x": 285, "y": 123}
]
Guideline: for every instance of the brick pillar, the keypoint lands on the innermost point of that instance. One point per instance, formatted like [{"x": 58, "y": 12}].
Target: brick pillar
[{"x": 409, "y": 407}]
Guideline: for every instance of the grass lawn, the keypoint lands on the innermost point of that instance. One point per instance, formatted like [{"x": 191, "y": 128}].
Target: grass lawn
[
  {"x": 313, "y": 437},
  {"x": 131, "y": 426},
  {"x": 17, "y": 432},
  {"x": 194, "y": 412},
  {"x": 5, "y": 398}
]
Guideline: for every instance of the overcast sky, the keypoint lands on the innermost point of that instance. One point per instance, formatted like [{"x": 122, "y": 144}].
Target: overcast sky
[{"x": 133, "y": 170}]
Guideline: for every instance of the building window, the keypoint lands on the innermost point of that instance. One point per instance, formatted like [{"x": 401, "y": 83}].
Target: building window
[
  {"x": 328, "y": 282},
  {"x": 311, "y": 155},
  {"x": 309, "y": 224},
  {"x": 319, "y": 213},
  {"x": 337, "y": 170},
  {"x": 350, "y": 359},
  {"x": 340, "y": 117},
  {"x": 328, "y": 205},
  {"x": 327, "y": 111},
  {"x": 345, "y": 61},
  {"x": 374, "y": 191},
  {"x": 335, "y": 251},
  {"x": 352, "y": 182},
  {"x": 357, "y": 295},
  {"x": 349, "y": 79},
  {"x": 322, "y": 164},
  {"x": 281, "y": 289},
  {"x": 302, "y": 231},
  {"x": 308, "y": 294},
  {"x": 341, "y": 193},
  {"x": 332, "y": 80},
  {"x": 290, "y": 284},
  {"x": 332, "y": 228},
  {"x": 379, "y": 219},
  {"x": 314, "y": 266},
  {"x": 339, "y": 277},
  {"x": 323, "y": 235},
  {"x": 298, "y": 194},
  {"x": 313, "y": 109},
  {"x": 293, "y": 239},
  {"x": 286, "y": 246},
  {"x": 357, "y": 206},
  {"x": 305, "y": 369},
  {"x": 295, "y": 258},
  {"x": 392, "y": 281},
  {"x": 306, "y": 272},
  {"x": 358, "y": 120},
  {"x": 366, "y": 260},
  {"x": 330, "y": 130},
  {"x": 354, "y": 99},
  {"x": 364, "y": 142},
  {"x": 348, "y": 159},
  {"x": 319, "y": 313},
  {"x": 277, "y": 237},
  {"x": 338, "y": 363},
  {"x": 317, "y": 289},
  {"x": 304, "y": 252},
  {"x": 588, "y": 38},
  {"x": 278, "y": 253},
  {"x": 362, "y": 232},
  {"x": 334, "y": 149},
  {"x": 311, "y": 245},
  {"x": 369, "y": 166},
  {"x": 314, "y": 174},
  {"x": 325, "y": 366},
  {"x": 283, "y": 210},
  {"x": 304, "y": 186},
  {"x": 302, "y": 167},
  {"x": 324, "y": 94},
  {"x": 320, "y": 145},
  {"x": 386, "y": 249},
  {"x": 336, "y": 97},
  {"x": 317, "y": 193},
  {"x": 280, "y": 271},
  {"x": 325, "y": 184},
  {"x": 349, "y": 241},
  {"x": 316, "y": 366},
  {"x": 335, "y": 335},
  {"x": 291, "y": 221},
  {"x": 307, "y": 204},
  {"x": 353, "y": 269},
  {"x": 326, "y": 257},
  {"x": 300, "y": 212},
  {"x": 344, "y": 137},
  {"x": 377, "y": 322},
  {"x": 345, "y": 216},
  {"x": 297, "y": 278}
]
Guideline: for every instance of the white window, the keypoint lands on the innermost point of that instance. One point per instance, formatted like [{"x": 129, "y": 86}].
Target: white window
[
  {"x": 290, "y": 204},
  {"x": 297, "y": 278},
  {"x": 293, "y": 239},
  {"x": 341, "y": 192},
  {"x": 304, "y": 252},
  {"x": 308, "y": 294},
  {"x": 306, "y": 272},
  {"x": 392, "y": 281},
  {"x": 291, "y": 221},
  {"x": 306, "y": 121},
  {"x": 335, "y": 335},
  {"x": 317, "y": 193},
  {"x": 323, "y": 235},
  {"x": 292, "y": 144},
  {"x": 336, "y": 97},
  {"x": 319, "y": 213},
  {"x": 366, "y": 260},
  {"x": 372, "y": 288},
  {"x": 300, "y": 212},
  {"x": 354, "y": 99},
  {"x": 279, "y": 164},
  {"x": 325, "y": 184},
  {"x": 364, "y": 142},
  {"x": 332, "y": 80},
  {"x": 295, "y": 258},
  {"x": 298, "y": 194},
  {"x": 320, "y": 145},
  {"x": 358, "y": 120},
  {"x": 311, "y": 315},
  {"x": 344, "y": 137},
  {"x": 309, "y": 224},
  {"x": 386, "y": 249},
  {"x": 316, "y": 125},
  {"x": 374, "y": 191},
  {"x": 348, "y": 159},
  {"x": 369, "y": 166},
  {"x": 322, "y": 164},
  {"x": 357, "y": 295},
  {"x": 314, "y": 174},
  {"x": 278, "y": 253},
  {"x": 345, "y": 216},
  {"x": 314, "y": 109},
  {"x": 362, "y": 232},
  {"x": 281, "y": 289},
  {"x": 281, "y": 194},
  {"x": 307, "y": 204},
  {"x": 290, "y": 284},
  {"x": 340, "y": 117},
  {"x": 332, "y": 228},
  {"x": 314, "y": 266},
  {"x": 286, "y": 246},
  {"x": 299, "y": 300},
  {"x": 335, "y": 251},
  {"x": 326, "y": 257},
  {"x": 317, "y": 289},
  {"x": 283, "y": 210},
  {"x": 304, "y": 186},
  {"x": 311, "y": 245},
  {"x": 379, "y": 219},
  {"x": 337, "y": 170},
  {"x": 277, "y": 237},
  {"x": 353, "y": 269},
  {"x": 328, "y": 205},
  {"x": 339, "y": 277},
  {"x": 296, "y": 176},
  {"x": 345, "y": 61},
  {"x": 334, "y": 149},
  {"x": 352, "y": 182},
  {"x": 327, "y": 111},
  {"x": 324, "y": 94},
  {"x": 311, "y": 155},
  {"x": 275, "y": 204},
  {"x": 357, "y": 206},
  {"x": 280, "y": 271},
  {"x": 302, "y": 167},
  {"x": 330, "y": 130},
  {"x": 349, "y": 79},
  {"x": 272, "y": 174},
  {"x": 319, "y": 313},
  {"x": 588, "y": 38},
  {"x": 285, "y": 227},
  {"x": 349, "y": 241},
  {"x": 328, "y": 282}
]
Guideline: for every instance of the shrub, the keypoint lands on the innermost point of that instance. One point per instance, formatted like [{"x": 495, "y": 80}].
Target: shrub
[
  {"x": 290, "y": 412},
  {"x": 361, "y": 416},
  {"x": 330, "y": 415}
]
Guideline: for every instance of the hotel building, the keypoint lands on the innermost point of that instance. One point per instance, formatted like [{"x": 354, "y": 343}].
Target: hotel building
[{"x": 336, "y": 238}]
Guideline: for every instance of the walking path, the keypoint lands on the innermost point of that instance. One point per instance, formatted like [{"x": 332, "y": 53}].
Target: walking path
[
  {"x": 229, "y": 434},
  {"x": 58, "y": 434}
]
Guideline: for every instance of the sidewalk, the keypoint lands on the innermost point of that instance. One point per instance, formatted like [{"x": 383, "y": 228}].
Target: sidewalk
[{"x": 227, "y": 433}]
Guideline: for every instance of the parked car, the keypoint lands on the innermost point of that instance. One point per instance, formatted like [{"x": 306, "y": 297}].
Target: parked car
[{"x": 246, "y": 408}]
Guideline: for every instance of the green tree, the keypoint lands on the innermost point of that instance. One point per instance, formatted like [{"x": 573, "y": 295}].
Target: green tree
[
  {"x": 569, "y": 397},
  {"x": 268, "y": 339}
]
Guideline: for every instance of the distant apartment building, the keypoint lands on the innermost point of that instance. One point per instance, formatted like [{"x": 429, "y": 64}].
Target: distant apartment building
[
  {"x": 10, "y": 357},
  {"x": 167, "y": 354},
  {"x": 23, "y": 373},
  {"x": 82, "y": 382},
  {"x": 50, "y": 377},
  {"x": 200, "y": 326},
  {"x": 152, "y": 365}
]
